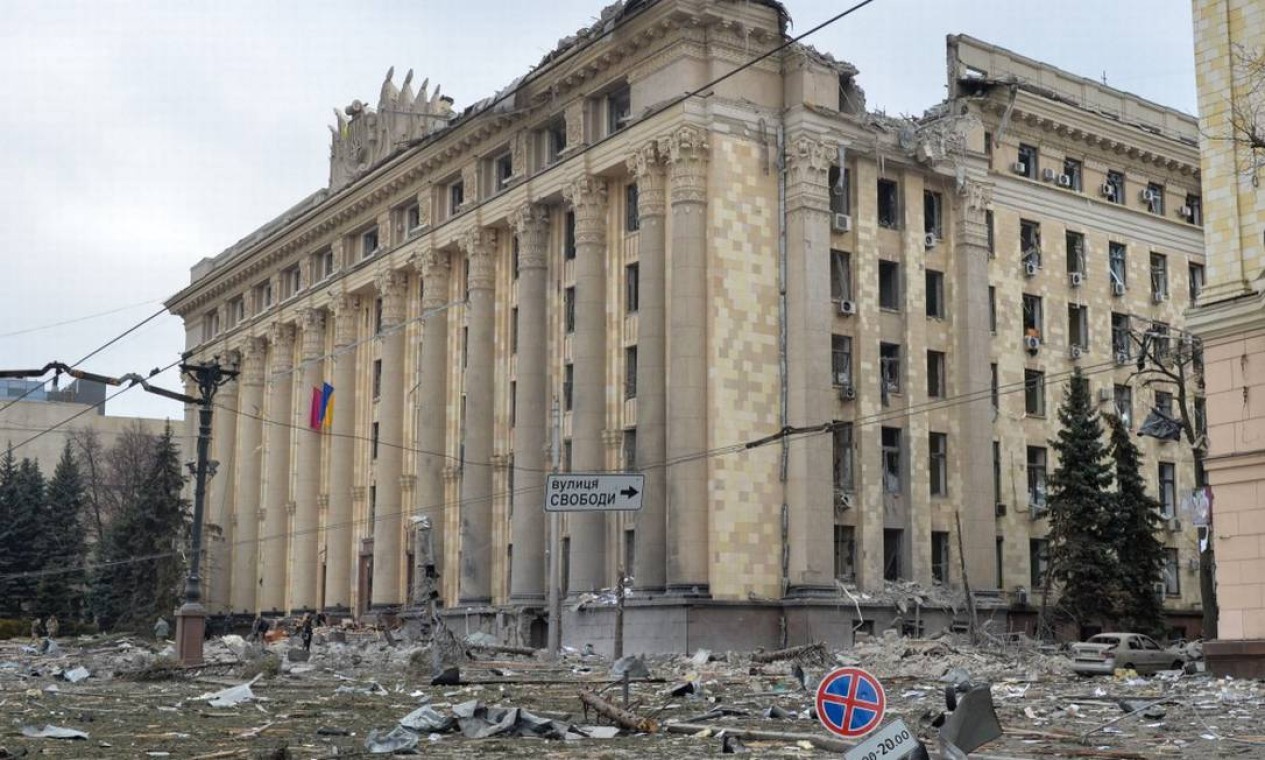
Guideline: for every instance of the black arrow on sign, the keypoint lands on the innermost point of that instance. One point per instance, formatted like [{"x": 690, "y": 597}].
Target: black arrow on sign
[{"x": 629, "y": 492}]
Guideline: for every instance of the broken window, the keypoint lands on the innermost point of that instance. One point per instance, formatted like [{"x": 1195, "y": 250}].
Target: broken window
[
  {"x": 992, "y": 309},
  {"x": 840, "y": 276},
  {"x": 935, "y": 374},
  {"x": 1200, "y": 420},
  {"x": 513, "y": 408},
  {"x": 841, "y": 437},
  {"x": 1159, "y": 277},
  {"x": 888, "y": 204},
  {"x": 502, "y": 171},
  {"x": 377, "y": 316},
  {"x": 994, "y": 386},
  {"x": 940, "y": 556},
  {"x": 1000, "y": 560},
  {"x": 377, "y": 379},
  {"x": 889, "y": 369},
  {"x": 1036, "y": 477},
  {"x": 465, "y": 346},
  {"x": 1196, "y": 281},
  {"x": 568, "y": 310},
  {"x": 412, "y": 217},
  {"x": 568, "y": 236},
  {"x": 1027, "y": 165},
  {"x": 514, "y": 330},
  {"x": 892, "y": 540},
  {"x": 1078, "y": 326},
  {"x": 1153, "y": 196},
  {"x": 1164, "y": 402},
  {"x": 618, "y": 109},
  {"x": 841, "y": 360},
  {"x": 1039, "y": 561},
  {"x": 891, "y": 460},
  {"x": 990, "y": 231},
  {"x": 1034, "y": 392},
  {"x": 1032, "y": 316},
  {"x": 1168, "y": 489},
  {"x": 1122, "y": 399},
  {"x": 938, "y": 463},
  {"x": 889, "y": 285},
  {"x": 632, "y": 217},
  {"x": 1121, "y": 345},
  {"x": 630, "y": 449},
  {"x": 997, "y": 472},
  {"x": 935, "y": 294},
  {"x": 456, "y": 197},
  {"x": 1075, "y": 253},
  {"x": 845, "y": 553},
  {"x": 1193, "y": 211},
  {"x": 369, "y": 243},
  {"x": 630, "y": 372},
  {"x": 373, "y": 441},
  {"x": 933, "y": 214},
  {"x": 1113, "y": 188},
  {"x": 1161, "y": 345},
  {"x": 554, "y": 140},
  {"x": 1030, "y": 242},
  {"x": 568, "y": 386},
  {"x": 1073, "y": 175},
  {"x": 1116, "y": 266},
  {"x": 1172, "y": 576},
  {"x": 632, "y": 285},
  {"x": 840, "y": 183}
]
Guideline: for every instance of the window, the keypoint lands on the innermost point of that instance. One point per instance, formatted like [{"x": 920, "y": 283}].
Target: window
[
  {"x": 377, "y": 379},
  {"x": 1196, "y": 281},
  {"x": 618, "y": 109},
  {"x": 236, "y": 311},
  {"x": 566, "y": 461},
  {"x": 1200, "y": 420},
  {"x": 1158, "y": 335},
  {"x": 1032, "y": 316},
  {"x": 630, "y": 449},
  {"x": 992, "y": 309},
  {"x": 1039, "y": 561},
  {"x": 840, "y": 276},
  {"x": 456, "y": 197},
  {"x": 1121, "y": 345},
  {"x": 1168, "y": 489},
  {"x": 1074, "y": 175},
  {"x": 1116, "y": 266},
  {"x": 1001, "y": 562},
  {"x": 373, "y": 508},
  {"x": 1123, "y": 401},
  {"x": 1164, "y": 402},
  {"x": 889, "y": 363},
  {"x": 990, "y": 230},
  {"x": 377, "y": 316},
  {"x": 1075, "y": 253},
  {"x": 1153, "y": 196},
  {"x": 369, "y": 244},
  {"x": 413, "y": 218},
  {"x": 1028, "y": 161},
  {"x": 888, "y": 204},
  {"x": 841, "y": 359},
  {"x": 841, "y": 439},
  {"x": 933, "y": 214},
  {"x": 632, "y": 217},
  {"x": 630, "y": 372},
  {"x": 632, "y": 283},
  {"x": 935, "y": 294},
  {"x": 997, "y": 472},
  {"x": 889, "y": 285},
  {"x": 291, "y": 281},
  {"x": 514, "y": 330},
  {"x": 940, "y": 556},
  {"x": 373, "y": 441},
  {"x": 1159, "y": 277},
  {"x": 988, "y": 143},
  {"x": 553, "y": 141},
  {"x": 568, "y": 236},
  {"x": 568, "y": 384},
  {"x": 323, "y": 265},
  {"x": 465, "y": 347},
  {"x": 994, "y": 387},
  {"x": 1036, "y": 477},
  {"x": 1078, "y": 326},
  {"x": 210, "y": 325},
  {"x": 263, "y": 296},
  {"x": 1030, "y": 241},
  {"x": 892, "y": 540},
  {"x": 1113, "y": 188},
  {"x": 513, "y": 411},
  {"x": 1193, "y": 211},
  {"x": 568, "y": 310},
  {"x": 938, "y": 462},
  {"x": 891, "y": 460},
  {"x": 935, "y": 374},
  {"x": 514, "y": 257},
  {"x": 502, "y": 171},
  {"x": 840, "y": 183},
  {"x": 1172, "y": 578},
  {"x": 845, "y": 553},
  {"x": 1034, "y": 392}
]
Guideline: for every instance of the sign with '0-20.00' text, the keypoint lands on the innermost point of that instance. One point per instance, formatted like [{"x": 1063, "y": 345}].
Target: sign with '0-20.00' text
[{"x": 593, "y": 492}]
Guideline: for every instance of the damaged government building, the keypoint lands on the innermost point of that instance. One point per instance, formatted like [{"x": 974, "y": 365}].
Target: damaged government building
[{"x": 683, "y": 278}]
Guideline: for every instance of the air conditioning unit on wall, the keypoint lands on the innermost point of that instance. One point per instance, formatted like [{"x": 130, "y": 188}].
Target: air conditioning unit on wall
[{"x": 840, "y": 223}]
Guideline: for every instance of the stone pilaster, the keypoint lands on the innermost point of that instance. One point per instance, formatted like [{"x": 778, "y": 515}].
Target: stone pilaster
[
  {"x": 249, "y": 410},
  {"x": 587, "y": 196},
  {"x": 531, "y": 224},
  {"x": 476, "y": 469},
  {"x": 432, "y": 396},
  {"x": 280, "y": 413},
  {"x": 305, "y": 565},
  {"x": 387, "y": 528},
  {"x": 219, "y": 541},
  {"x": 649, "y": 565},
  {"x": 688, "y": 515},
  {"x": 340, "y": 569}
]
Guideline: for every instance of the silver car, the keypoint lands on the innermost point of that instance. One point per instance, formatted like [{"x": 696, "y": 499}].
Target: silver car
[{"x": 1106, "y": 652}]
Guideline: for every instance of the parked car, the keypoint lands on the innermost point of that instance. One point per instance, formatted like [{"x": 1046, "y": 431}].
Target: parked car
[{"x": 1103, "y": 653}]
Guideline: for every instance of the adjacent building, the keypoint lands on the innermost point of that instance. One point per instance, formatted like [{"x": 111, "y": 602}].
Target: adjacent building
[{"x": 684, "y": 277}]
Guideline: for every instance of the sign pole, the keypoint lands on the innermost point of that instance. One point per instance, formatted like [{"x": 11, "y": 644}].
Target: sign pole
[{"x": 555, "y": 561}]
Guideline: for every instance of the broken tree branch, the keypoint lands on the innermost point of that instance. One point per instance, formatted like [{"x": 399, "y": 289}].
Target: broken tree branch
[
  {"x": 814, "y": 651},
  {"x": 820, "y": 742},
  {"x": 624, "y": 719}
]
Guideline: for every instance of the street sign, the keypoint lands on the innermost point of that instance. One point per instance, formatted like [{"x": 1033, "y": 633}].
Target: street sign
[
  {"x": 891, "y": 742},
  {"x": 594, "y": 492},
  {"x": 850, "y": 702}
]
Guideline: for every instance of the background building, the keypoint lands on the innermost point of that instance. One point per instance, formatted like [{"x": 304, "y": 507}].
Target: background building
[{"x": 686, "y": 276}]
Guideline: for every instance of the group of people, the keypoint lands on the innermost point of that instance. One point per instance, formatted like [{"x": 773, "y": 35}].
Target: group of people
[
  {"x": 41, "y": 629},
  {"x": 259, "y": 629}
]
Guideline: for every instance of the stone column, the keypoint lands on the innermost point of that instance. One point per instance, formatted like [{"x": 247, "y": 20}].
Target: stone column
[
  {"x": 340, "y": 569},
  {"x": 476, "y": 475},
  {"x": 810, "y": 389},
  {"x": 387, "y": 552},
  {"x": 273, "y": 543},
  {"x": 305, "y": 566},
  {"x": 250, "y": 403},
  {"x": 587, "y": 197},
  {"x": 649, "y": 564},
  {"x": 219, "y": 541},
  {"x": 432, "y": 396},
  {"x": 687, "y": 565},
  {"x": 531, "y": 404}
]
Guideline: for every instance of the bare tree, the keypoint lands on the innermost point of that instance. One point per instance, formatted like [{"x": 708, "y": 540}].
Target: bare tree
[
  {"x": 87, "y": 447},
  {"x": 1247, "y": 109},
  {"x": 113, "y": 476}
]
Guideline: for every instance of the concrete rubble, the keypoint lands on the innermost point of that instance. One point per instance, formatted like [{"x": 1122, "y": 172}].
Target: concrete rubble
[{"x": 361, "y": 692}]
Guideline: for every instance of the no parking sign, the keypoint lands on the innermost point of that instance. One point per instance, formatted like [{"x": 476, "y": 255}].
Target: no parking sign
[{"x": 850, "y": 702}]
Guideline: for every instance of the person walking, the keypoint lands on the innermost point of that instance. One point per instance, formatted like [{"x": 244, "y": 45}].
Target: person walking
[
  {"x": 305, "y": 630},
  {"x": 51, "y": 626},
  {"x": 37, "y": 630}
]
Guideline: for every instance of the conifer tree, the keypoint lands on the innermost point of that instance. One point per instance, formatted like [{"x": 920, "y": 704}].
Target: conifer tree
[
  {"x": 60, "y": 588},
  {"x": 1135, "y": 536},
  {"x": 1083, "y": 561},
  {"x": 21, "y": 502}
]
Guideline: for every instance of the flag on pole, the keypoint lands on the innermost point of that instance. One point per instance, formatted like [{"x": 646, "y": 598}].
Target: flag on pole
[
  {"x": 327, "y": 405},
  {"x": 314, "y": 412}
]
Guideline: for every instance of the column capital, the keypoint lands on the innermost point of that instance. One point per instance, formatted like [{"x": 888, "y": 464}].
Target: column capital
[
  {"x": 392, "y": 285},
  {"x": 346, "y": 308},
  {"x": 452, "y": 472},
  {"x": 290, "y": 507},
  {"x": 531, "y": 223},
  {"x": 500, "y": 461},
  {"x": 408, "y": 483},
  {"x": 253, "y": 352},
  {"x": 480, "y": 247},
  {"x": 686, "y": 150},
  {"x": 313, "y": 322},
  {"x": 434, "y": 267},
  {"x": 977, "y": 196},
  {"x": 359, "y": 493},
  {"x": 612, "y": 437},
  {"x": 587, "y": 197},
  {"x": 808, "y": 161},
  {"x": 282, "y": 340},
  {"x": 322, "y": 502},
  {"x": 646, "y": 165}
]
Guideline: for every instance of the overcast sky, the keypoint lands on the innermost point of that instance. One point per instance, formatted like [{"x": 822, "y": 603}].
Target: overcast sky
[{"x": 137, "y": 138}]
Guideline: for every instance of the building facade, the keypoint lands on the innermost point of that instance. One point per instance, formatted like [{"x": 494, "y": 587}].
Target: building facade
[
  {"x": 1229, "y": 317},
  {"x": 687, "y": 277}
]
